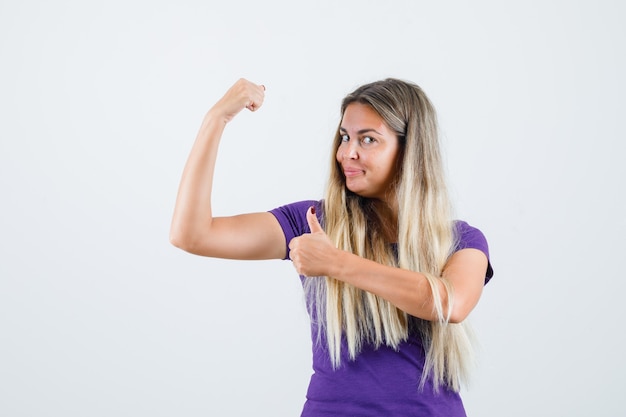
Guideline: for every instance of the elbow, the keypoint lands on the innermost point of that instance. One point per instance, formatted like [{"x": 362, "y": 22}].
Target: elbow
[
  {"x": 182, "y": 240},
  {"x": 460, "y": 312},
  {"x": 457, "y": 317},
  {"x": 178, "y": 240},
  {"x": 457, "y": 304},
  {"x": 194, "y": 243}
]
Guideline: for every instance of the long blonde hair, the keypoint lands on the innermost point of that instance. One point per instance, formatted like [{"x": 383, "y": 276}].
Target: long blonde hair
[{"x": 425, "y": 240}]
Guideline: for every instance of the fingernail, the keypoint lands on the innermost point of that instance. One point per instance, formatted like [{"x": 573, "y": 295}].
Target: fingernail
[{"x": 312, "y": 209}]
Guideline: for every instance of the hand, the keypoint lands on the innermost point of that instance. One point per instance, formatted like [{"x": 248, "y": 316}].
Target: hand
[
  {"x": 313, "y": 254},
  {"x": 242, "y": 95}
]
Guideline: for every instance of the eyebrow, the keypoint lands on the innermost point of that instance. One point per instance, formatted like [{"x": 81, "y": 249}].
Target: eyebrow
[{"x": 362, "y": 131}]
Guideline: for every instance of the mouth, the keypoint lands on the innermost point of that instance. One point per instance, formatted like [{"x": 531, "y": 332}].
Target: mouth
[{"x": 352, "y": 172}]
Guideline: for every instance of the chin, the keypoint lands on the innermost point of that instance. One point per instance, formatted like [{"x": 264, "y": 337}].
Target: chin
[{"x": 359, "y": 192}]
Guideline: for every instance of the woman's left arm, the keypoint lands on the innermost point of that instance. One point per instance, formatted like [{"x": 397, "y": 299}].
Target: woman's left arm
[{"x": 314, "y": 255}]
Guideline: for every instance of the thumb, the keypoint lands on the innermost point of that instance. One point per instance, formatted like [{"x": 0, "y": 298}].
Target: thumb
[{"x": 314, "y": 224}]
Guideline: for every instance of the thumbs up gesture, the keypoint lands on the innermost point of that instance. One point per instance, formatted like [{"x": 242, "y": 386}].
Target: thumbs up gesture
[{"x": 313, "y": 254}]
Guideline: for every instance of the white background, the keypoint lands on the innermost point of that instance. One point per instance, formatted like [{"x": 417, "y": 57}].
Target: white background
[{"x": 99, "y": 105}]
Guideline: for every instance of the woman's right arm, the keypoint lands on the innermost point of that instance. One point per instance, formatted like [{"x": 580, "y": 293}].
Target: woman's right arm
[{"x": 194, "y": 229}]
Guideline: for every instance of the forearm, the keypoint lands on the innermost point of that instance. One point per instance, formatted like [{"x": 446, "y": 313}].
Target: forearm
[
  {"x": 407, "y": 290},
  {"x": 314, "y": 255},
  {"x": 192, "y": 213},
  {"x": 410, "y": 291}
]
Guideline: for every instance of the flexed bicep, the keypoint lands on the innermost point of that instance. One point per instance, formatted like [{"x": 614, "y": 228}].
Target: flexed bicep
[
  {"x": 193, "y": 227},
  {"x": 245, "y": 236}
]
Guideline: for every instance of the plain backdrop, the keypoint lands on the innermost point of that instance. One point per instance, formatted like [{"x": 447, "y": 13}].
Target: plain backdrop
[{"x": 99, "y": 106}]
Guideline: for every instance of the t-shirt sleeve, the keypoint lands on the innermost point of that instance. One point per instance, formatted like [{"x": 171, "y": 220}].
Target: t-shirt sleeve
[
  {"x": 292, "y": 219},
  {"x": 469, "y": 237}
]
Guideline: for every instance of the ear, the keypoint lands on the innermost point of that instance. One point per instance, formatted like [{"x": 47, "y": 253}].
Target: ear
[{"x": 314, "y": 224}]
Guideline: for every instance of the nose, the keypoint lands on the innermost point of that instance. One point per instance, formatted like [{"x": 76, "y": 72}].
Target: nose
[{"x": 351, "y": 150}]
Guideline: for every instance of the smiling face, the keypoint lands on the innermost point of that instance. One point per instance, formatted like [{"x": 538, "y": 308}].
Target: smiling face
[{"x": 368, "y": 153}]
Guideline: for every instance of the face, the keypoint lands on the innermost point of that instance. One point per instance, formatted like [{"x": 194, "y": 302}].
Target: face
[{"x": 368, "y": 152}]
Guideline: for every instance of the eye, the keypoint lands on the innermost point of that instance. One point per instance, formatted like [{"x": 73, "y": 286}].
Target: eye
[
  {"x": 368, "y": 140},
  {"x": 344, "y": 137}
]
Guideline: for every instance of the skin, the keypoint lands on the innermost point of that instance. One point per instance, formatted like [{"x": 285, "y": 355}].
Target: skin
[
  {"x": 368, "y": 156},
  {"x": 368, "y": 153}
]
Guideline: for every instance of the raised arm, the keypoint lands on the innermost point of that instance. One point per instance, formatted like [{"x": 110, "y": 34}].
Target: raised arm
[{"x": 193, "y": 228}]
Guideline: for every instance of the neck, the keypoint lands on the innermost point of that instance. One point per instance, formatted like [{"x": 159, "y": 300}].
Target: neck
[{"x": 388, "y": 216}]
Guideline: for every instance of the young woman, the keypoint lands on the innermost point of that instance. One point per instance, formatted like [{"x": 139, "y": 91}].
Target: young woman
[{"x": 389, "y": 277}]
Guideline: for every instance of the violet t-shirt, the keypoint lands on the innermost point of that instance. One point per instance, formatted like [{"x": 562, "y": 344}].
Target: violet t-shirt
[{"x": 380, "y": 381}]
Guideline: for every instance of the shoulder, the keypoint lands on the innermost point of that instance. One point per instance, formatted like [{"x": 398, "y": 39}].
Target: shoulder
[
  {"x": 470, "y": 237},
  {"x": 292, "y": 218},
  {"x": 297, "y": 206},
  {"x": 295, "y": 213}
]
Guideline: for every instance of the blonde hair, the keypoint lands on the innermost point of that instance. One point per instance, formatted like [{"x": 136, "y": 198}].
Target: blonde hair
[{"x": 425, "y": 240}]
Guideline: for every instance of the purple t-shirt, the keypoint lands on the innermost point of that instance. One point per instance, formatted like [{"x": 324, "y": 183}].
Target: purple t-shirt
[{"x": 382, "y": 381}]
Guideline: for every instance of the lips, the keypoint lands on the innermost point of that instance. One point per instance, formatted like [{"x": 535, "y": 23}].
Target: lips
[{"x": 352, "y": 172}]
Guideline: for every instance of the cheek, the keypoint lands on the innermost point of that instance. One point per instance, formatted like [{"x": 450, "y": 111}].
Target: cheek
[{"x": 392, "y": 163}]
